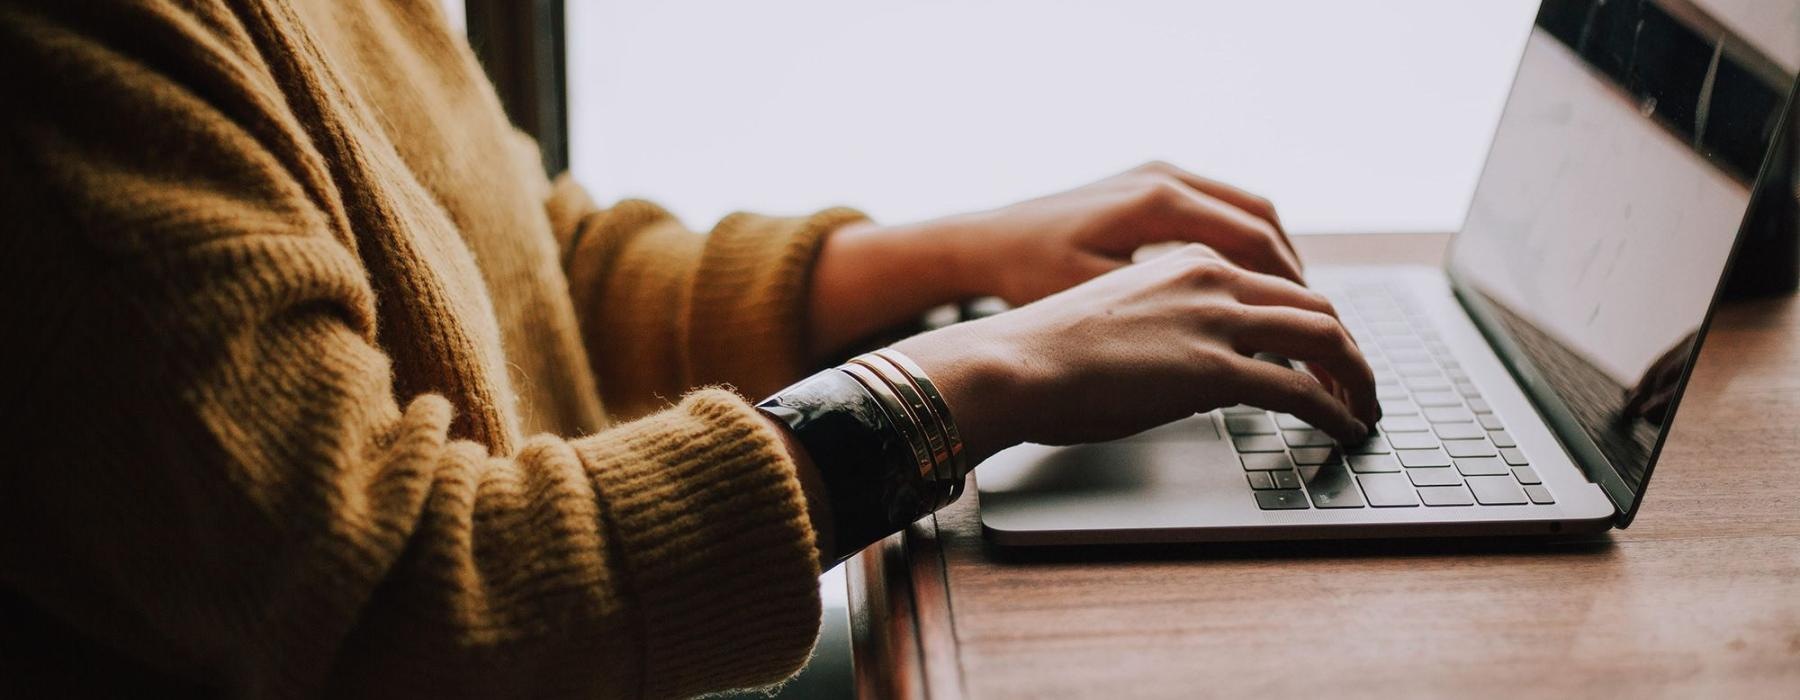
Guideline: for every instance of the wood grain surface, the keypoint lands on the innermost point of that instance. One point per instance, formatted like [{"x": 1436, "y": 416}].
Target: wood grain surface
[{"x": 1699, "y": 598}]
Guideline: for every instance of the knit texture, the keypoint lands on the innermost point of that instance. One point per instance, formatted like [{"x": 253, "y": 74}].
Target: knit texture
[{"x": 309, "y": 369}]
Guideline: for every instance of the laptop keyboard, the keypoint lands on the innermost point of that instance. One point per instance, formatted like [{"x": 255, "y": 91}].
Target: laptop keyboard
[{"x": 1438, "y": 445}]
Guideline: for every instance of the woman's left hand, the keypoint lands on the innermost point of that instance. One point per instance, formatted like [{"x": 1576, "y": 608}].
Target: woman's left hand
[
  {"x": 871, "y": 276},
  {"x": 1039, "y": 247}
]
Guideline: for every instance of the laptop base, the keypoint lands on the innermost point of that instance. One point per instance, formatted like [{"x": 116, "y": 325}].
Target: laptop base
[{"x": 1194, "y": 481}]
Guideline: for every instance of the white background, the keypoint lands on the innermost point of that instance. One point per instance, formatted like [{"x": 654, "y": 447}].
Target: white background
[{"x": 1352, "y": 116}]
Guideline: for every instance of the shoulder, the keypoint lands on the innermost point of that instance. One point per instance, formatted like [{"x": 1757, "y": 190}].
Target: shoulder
[{"x": 147, "y": 121}]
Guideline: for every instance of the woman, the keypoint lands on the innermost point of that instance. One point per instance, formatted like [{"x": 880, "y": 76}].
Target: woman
[{"x": 325, "y": 388}]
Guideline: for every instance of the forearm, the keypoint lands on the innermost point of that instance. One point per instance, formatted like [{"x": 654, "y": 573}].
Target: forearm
[
  {"x": 664, "y": 309},
  {"x": 871, "y": 277}
]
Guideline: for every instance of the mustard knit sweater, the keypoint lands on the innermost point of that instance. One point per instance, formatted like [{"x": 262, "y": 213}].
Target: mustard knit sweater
[{"x": 308, "y": 365}]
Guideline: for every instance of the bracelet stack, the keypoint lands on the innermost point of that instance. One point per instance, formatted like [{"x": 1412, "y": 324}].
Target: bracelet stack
[
  {"x": 912, "y": 400},
  {"x": 883, "y": 441}
]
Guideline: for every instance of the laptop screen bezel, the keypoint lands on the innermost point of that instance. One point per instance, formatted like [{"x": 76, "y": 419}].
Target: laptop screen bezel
[{"x": 1581, "y": 448}]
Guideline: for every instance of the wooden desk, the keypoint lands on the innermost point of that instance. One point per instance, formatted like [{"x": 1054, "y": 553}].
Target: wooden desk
[{"x": 1699, "y": 598}]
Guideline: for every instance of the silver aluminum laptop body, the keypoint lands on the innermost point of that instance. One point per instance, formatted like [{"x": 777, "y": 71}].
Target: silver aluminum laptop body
[
  {"x": 1184, "y": 482},
  {"x": 1579, "y": 456}
]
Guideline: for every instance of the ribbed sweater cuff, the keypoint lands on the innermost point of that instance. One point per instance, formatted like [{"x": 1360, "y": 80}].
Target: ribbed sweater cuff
[
  {"x": 749, "y": 312},
  {"x": 715, "y": 543}
]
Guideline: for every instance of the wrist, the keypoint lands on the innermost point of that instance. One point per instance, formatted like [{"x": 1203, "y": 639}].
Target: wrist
[
  {"x": 869, "y": 453},
  {"x": 942, "y": 259},
  {"x": 975, "y": 376},
  {"x": 871, "y": 277},
  {"x": 955, "y": 252}
]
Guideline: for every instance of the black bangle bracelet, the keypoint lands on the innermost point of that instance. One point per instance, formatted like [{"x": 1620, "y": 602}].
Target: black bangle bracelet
[{"x": 871, "y": 477}]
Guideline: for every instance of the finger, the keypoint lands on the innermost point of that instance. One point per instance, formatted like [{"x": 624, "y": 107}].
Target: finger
[
  {"x": 1331, "y": 385},
  {"x": 1263, "y": 290},
  {"x": 1269, "y": 290},
  {"x": 1278, "y": 388},
  {"x": 1256, "y": 205},
  {"x": 1319, "y": 341},
  {"x": 1244, "y": 239}
]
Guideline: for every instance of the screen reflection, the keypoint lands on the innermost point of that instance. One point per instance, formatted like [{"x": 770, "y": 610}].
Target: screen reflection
[{"x": 1609, "y": 205}]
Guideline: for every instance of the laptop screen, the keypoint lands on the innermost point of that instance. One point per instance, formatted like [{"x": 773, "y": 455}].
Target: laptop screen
[{"x": 1609, "y": 206}]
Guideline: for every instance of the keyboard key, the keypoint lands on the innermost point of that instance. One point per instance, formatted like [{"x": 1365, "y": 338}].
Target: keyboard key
[
  {"x": 1468, "y": 391},
  {"x": 1375, "y": 445},
  {"x": 1402, "y": 343},
  {"x": 1449, "y": 414},
  {"x": 1413, "y": 441},
  {"x": 1403, "y": 424},
  {"x": 1249, "y": 425},
  {"x": 1459, "y": 431},
  {"x": 1285, "y": 479},
  {"x": 1315, "y": 455},
  {"x": 1423, "y": 458},
  {"x": 1440, "y": 496},
  {"x": 1427, "y": 383},
  {"x": 1434, "y": 476},
  {"x": 1431, "y": 399},
  {"x": 1265, "y": 461},
  {"x": 1390, "y": 391},
  {"x": 1398, "y": 407},
  {"x": 1374, "y": 464},
  {"x": 1258, "y": 443},
  {"x": 1513, "y": 456},
  {"x": 1392, "y": 328},
  {"x": 1479, "y": 405},
  {"x": 1332, "y": 487},
  {"x": 1526, "y": 475},
  {"x": 1260, "y": 481},
  {"x": 1482, "y": 466},
  {"x": 1497, "y": 491},
  {"x": 1539, "y": 495},
  {"x": 1388, "y": 490},
  {"x": 1307, "y": 438},
  {"x": 1490, "y": 421},
  {"x": 1379, "y": 310},
  {"x": 1290, "y": 499},
  {"x": 1287, "y": 421},
  {"x": 1416, "y": 369},
  {"x": 1409, "y": 356},
  {"x": 1501, "y": 438},
  {"x": 1469, "y": 448}
]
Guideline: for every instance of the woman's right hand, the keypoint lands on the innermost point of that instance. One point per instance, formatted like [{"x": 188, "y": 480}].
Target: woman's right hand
[{"x": 1145, "y": 345}]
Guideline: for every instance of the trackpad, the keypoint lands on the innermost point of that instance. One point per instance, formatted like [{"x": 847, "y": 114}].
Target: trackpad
[{"x": 1176, "y": 453}]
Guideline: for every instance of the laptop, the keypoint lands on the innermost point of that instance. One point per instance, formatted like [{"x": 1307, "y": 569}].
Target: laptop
[{"x": 1526, "y": 385}]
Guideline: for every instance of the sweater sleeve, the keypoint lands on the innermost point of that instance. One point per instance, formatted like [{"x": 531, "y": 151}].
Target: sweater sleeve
[
  {"x": 663, "y": 308},
  {"x": 215, "y": 474}
]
